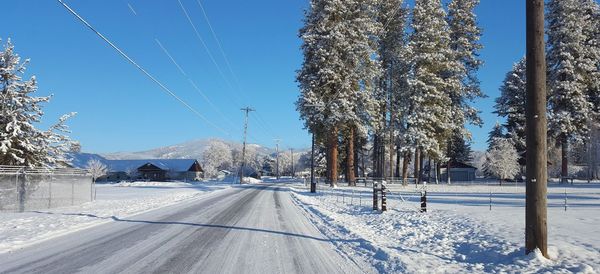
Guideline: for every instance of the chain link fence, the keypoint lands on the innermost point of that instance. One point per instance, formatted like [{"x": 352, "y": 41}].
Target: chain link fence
[{"x": 25, "y": 189}]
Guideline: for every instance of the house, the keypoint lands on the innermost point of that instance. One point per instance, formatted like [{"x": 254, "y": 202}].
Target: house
[
  {"x": 459, "y": 172},
  {"x": 154, "y": 170}
]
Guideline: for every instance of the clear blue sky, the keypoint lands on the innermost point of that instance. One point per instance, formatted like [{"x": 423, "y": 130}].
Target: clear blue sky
[{"x": 119, "y": 109}]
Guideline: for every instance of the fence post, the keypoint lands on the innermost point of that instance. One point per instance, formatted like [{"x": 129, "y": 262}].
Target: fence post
[
  {"x": 18, "y": 202},
  {"x": 565, "y": 199},
  {"x": 383, "y": 198},
  {"x": 490, "y": 199},
  {"x": 424, "y": 201},
  {"x": 72, "y": 192},
  {"x": 375, "y": 202},
  {"x": 359, "y": 198},
  {"x": 21, "y": 190},
  {"x": 50, "y": 192}
]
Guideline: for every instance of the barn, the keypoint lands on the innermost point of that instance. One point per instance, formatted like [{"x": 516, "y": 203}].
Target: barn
[{"x": 154, "y": 170}]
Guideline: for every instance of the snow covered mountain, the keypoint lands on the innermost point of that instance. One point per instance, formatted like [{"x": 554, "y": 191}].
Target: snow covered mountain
[{"x": 188, "y": 150}]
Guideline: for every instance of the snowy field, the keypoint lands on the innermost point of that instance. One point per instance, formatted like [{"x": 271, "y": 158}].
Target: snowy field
[
  {"x": 460, "y": 233},
  {"x": 113, "y": 200}
]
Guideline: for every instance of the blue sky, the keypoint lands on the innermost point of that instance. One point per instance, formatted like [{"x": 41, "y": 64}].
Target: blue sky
[{"x": 119, "y": 109}]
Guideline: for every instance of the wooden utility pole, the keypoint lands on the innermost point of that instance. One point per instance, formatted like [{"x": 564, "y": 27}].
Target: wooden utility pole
[
  {"x": 277, "y": 157},
  {"x": 246, "y": 110},
  {"x": 536, "y": 236}
]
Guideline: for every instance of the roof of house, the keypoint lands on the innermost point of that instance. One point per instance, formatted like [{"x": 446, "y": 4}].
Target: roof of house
[
  {"x": 177, "y": 165},
  {"x": 460, "y": 165}
]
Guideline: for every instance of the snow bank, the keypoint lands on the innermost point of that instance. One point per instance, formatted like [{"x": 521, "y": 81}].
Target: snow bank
[
  {"x": 456, "y": 235},
  {"x": 124, "y": 199},
  {"x": 250, "y": 180}
]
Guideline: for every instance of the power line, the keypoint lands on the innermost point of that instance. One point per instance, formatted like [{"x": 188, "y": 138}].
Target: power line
[
  {"x": 218, "y": 42},
  {"x": 167, "y": 90},
  {"x": 132, "y": 10},
  {"x": 213, "y": 106},
  {"x": 189, "y": 19}
]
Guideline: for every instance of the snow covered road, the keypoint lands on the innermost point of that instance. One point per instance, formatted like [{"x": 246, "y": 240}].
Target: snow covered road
[{"x": 246, "y": 229}]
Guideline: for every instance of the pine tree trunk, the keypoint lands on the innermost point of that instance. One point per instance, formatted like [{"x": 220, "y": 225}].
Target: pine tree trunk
[
  {"x": 357, "y": 145},
  {"x": 429, "y": 170},
  {"x": 421, "y": 165},
  {"x": 564, "y": 170},
  {"x": 333, "y": 144},
  {"x": 350, "y": 158},
  {"x": 536, "y": 231},
  {"x": 398, "y": 156},
  {"x": 438, "y": 172},
  {"x": 405, "y": 163},
  {"x": 328, "y": 158},
  {"x": 376, "y": 156},
  {"x": 417, "y": 165}
]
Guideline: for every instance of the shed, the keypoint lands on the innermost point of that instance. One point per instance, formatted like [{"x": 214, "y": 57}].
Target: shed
[{"x": 459, "y": 172}]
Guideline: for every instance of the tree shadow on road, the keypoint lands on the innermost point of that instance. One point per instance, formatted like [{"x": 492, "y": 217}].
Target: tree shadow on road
[{"x": 217, "y": 226}]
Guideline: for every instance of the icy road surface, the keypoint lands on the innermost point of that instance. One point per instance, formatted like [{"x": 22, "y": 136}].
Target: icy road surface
[{"x": 247, "y": 229}]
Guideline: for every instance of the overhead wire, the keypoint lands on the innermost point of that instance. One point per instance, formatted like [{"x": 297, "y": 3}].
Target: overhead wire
[
  {"x": 192, "y": 83},
  {"x": 131, "y": 61},
  {"x": 210, "y": 55},
  {"x": 214, "y": 34},
  {"x": 261, "y": 124}
]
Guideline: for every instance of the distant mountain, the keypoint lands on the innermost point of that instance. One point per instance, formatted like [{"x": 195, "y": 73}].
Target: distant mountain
[{"x": 188, "y": 150}]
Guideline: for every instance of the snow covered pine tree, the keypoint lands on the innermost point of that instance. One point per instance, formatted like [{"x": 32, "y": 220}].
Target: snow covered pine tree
[
  {"x": 570, "y": 68},
  {"x": 21, "y": 144},
  {"x": 430, "y": 124},
  {"x": 511, "y": 105}
]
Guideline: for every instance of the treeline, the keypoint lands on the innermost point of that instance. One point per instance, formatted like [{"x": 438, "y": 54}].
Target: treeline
[
  {"x": 573, "y": 61},
  {"x": 400, "y": 80}
]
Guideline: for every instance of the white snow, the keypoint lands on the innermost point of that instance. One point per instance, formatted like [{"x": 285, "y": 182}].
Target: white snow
[
  {"x": 459, "y": 233},
  {"x": 119, "y": 200}
]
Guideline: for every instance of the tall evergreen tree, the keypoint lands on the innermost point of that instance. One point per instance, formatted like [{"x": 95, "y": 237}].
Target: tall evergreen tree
[
  {"x": 338, "y": 70},
  {"x": 568, "y": 65},
  {"x": 393, "y": 83},
  {"x": 511, "y": 104},
  {"x": 21, "y": 143},
  {"x": 464, "y": 42},
  {"x": 429, "y": 122},
  {"x": 591, "y": 31}
]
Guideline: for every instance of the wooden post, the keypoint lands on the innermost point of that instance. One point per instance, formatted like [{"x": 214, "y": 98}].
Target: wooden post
[
  {"x": 424, "y": 201},
  {"x": 536, "y": 127},
  {"x": 383, "y": 198},
  {"x": 375, "y": 202}
]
